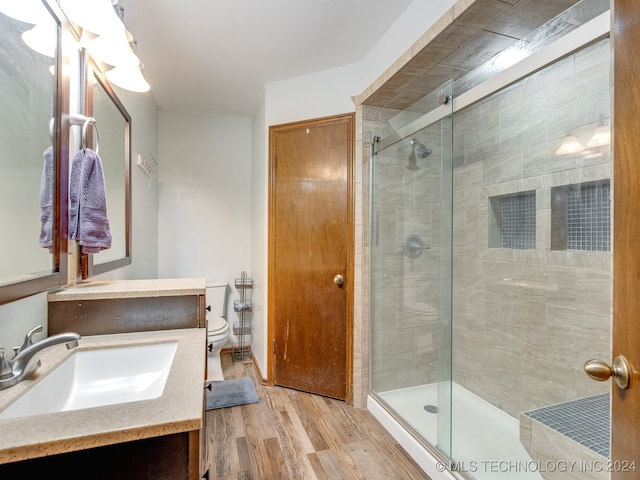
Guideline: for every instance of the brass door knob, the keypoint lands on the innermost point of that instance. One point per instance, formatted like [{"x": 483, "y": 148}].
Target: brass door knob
[
  {"x": 601, "y": 371},
  {"x": 338, "y": 279}
]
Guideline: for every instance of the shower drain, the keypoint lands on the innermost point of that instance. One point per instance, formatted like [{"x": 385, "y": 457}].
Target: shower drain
[{"x": 431, "y": 408}]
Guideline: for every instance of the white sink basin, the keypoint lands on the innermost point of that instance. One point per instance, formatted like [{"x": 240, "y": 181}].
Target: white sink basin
[{"x": 94, "y": 378}]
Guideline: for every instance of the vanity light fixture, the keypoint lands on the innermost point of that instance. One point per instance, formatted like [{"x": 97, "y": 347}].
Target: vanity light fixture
[
  {"x": 599, "y": 135},
  {"x": 128, "y": 77},
  {"x": 27, "y": 11},
  {"x": 570, "y": 144},
  {"x": 105, "y": 37},
  {"x": 95, "y": 16},
  {"x": 43, "y": 37},
  {"x": 602, "y": 135},
  {"x": 112, "y": 48}
]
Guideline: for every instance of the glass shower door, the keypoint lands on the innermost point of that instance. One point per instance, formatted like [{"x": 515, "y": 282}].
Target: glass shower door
[{"x": 411, "y": 229}]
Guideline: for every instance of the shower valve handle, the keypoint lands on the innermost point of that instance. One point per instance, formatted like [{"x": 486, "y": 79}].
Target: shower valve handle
[{"x": 601, "y": 371}]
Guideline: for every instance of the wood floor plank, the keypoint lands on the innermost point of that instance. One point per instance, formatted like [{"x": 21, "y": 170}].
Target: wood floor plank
[
  {"x": 245, "y": 465},
  {"x": 395, "y": 453},
  {"x": 317, "y": 467},
  {"x": 296, "y": 430},
  {"x": 332, "y": 466},
  {"x": 337, "y": 421},
  {"x": 257, "y": 452},
  {"x": 291, "y": 435},
  {"x": 308, "y": 423},
  {"x": 295, "y": 456},
  {"x": 277, "y": 458},
  {"x": 334, "y": 443}
]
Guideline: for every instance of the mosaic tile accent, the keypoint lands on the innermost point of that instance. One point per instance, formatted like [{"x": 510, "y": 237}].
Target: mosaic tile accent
[
  {"x": 589, "y": 218},
  {"x": 585, "y": 421},
  {"x": 519, "y": 221}
]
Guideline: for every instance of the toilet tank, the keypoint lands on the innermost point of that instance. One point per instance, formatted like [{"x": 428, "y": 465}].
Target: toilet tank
[{"x": 217, "y": 298}]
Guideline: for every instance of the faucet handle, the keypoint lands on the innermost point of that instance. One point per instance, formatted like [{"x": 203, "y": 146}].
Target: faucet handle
[
  {"x": 5, "y": 365},
  {"x": 28, "y": 339}
]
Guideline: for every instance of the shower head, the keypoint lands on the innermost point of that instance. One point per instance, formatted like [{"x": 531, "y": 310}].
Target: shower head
[{"x": 421, "y": 150}]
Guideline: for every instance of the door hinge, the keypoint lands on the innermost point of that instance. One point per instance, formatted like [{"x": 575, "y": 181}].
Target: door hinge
[{"x": 274, "y": 347}]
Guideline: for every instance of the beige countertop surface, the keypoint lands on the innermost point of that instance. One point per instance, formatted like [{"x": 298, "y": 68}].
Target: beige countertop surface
[
  {"x": 97, "y": 290},
  {"x": 178, "y": 409}
]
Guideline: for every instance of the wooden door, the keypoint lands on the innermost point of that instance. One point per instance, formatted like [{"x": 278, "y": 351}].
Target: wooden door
[
  {"x": 309, "y": 252},
  {"x": 625, "y": 404}
]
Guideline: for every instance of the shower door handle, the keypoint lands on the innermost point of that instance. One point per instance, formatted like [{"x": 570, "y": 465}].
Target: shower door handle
[
  {"x": 601, "y": 371},
  {"x": 338, "y": 279}
]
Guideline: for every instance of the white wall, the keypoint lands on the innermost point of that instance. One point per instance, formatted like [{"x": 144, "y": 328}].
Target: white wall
[
  {"x": 316, "y": 95},
  {"x": 259, "y": 247},
  {"x": 144, "y": 193},
  {"x": 204, "y": 211}
]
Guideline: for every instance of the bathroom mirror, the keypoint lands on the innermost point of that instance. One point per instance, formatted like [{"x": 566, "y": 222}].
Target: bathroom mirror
[
  {"x": 29, "y": 120},
  {"x": 112, "y": 139}
]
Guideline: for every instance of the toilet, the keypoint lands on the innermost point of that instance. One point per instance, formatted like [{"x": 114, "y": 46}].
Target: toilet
[{"x": 218, "y": 330}]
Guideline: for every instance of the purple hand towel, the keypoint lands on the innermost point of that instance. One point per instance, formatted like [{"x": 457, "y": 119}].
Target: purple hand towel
[
  {"x": 46, "y": 200},
  {"x": 88, "y": 222}
]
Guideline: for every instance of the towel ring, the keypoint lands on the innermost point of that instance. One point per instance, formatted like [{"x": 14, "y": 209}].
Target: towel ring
[
  {"x": 85, "y": 126},
  {"x": 78, "y": 119}
]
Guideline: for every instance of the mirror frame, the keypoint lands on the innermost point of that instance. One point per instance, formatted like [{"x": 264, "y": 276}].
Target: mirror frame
[
  {"x": 91, "y": 69},
  {"x": 68, "y": 38},
  {"x": 58, "y": 277}
]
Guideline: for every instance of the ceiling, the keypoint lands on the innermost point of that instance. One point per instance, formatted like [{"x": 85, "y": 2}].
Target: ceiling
[{"x": 215, "y": 56}]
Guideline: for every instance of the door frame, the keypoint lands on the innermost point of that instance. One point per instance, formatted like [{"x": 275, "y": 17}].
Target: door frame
[
  {"x": 349, "y": 283},
  {"x": 625, "y": 420}
]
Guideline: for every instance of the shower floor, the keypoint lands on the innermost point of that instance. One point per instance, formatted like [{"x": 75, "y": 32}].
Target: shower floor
[{"x": 485, "y": 440}]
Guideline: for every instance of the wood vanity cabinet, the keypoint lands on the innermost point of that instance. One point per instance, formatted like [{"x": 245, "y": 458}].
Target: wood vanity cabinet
[
  {"x": 169, "y": 457},
  {"x": 100, "y": 308}
]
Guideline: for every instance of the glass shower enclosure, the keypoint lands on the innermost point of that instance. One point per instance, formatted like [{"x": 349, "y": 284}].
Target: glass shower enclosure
[
  {"x": 490, "y": 276},
  {"x": 411, "y": 270}
]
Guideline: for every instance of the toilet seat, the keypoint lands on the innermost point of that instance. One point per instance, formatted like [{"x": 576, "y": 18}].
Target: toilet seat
[{"x": 217, "y": 326}]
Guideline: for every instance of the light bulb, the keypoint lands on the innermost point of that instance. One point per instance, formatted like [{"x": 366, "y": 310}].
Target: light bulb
[
  {"x": 96, "y": 16},
  {"x": 43, "y": 38},
  {"x": 602, "y": 136},
  {"x": 27, "y": 11},
  {"x": 112, "y": 48},
  {"x": 570, "y": 144},
  {"x": 128, "y": 77}
]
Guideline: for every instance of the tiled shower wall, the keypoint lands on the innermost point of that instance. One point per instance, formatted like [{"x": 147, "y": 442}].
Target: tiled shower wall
[{"x": 526, "y": 320}]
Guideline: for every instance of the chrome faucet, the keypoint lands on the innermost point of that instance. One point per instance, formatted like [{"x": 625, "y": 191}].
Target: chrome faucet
[{"x": 25, "y": 359}]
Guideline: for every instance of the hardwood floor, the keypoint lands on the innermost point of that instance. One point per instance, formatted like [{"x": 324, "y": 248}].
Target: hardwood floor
[{"x": 296, "y": 435}]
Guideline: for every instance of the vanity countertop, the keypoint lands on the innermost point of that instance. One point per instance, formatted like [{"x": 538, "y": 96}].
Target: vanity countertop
[
  {"x": 98, "y": 290},
  {"x": 178, "y": 409}
]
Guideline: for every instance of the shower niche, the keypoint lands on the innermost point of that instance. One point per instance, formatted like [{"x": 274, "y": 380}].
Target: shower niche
[
  {"x": 512, "y": 221},
  {"x": 570, "y": 217},
  {"x": 581, "y": 217}
]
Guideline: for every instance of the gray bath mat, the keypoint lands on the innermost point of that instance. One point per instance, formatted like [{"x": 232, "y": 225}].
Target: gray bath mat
[{"x": 229, "y": 393}]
